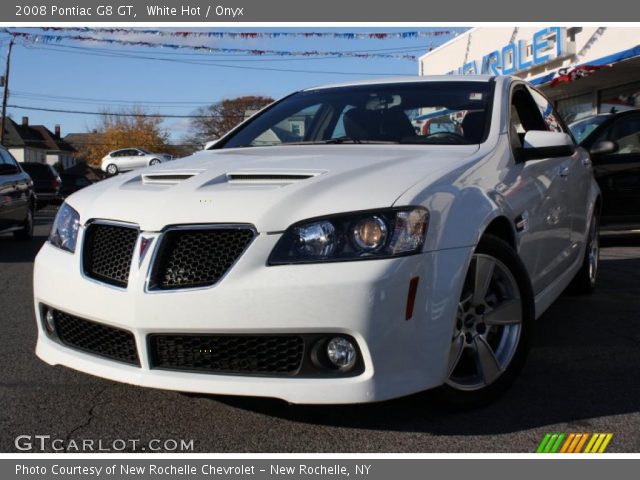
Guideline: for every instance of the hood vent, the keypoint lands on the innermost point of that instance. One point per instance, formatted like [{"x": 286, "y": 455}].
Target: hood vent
[
  {"x": 268, "y": 177},
  {"x": 167, "y": 178}
]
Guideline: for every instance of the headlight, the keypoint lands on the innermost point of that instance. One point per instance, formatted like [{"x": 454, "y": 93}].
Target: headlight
[
  {"x": 354, "y": 236},
  {"x": 64, "y": 232}
]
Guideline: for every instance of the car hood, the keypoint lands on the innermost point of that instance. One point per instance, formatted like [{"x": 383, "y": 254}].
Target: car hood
[{"x": 269, "y": 187}]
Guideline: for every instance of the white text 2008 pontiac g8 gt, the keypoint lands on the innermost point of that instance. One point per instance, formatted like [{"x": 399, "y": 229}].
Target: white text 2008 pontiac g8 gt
[{"x": 349, "y": 243}]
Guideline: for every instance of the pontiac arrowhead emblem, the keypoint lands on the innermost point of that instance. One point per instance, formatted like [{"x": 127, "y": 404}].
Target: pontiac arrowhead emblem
[{"x": 144, "y": 246}]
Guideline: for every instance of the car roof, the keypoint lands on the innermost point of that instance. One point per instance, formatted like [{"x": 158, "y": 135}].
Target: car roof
[
  {"x": 631, "y": 111},
  {"x": 35, "y": 165},
  {"x": 408, "y": 79}
]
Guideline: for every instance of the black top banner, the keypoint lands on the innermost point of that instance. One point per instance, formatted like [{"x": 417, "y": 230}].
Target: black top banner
[{"x": 237, "y": 11}]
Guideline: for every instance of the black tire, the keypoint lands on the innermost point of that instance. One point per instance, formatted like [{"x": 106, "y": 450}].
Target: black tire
[
  {"x": 154, "y": 161},
  {"x": 112, "y": 169},
  {"x": 459, "y": 398},
  {"x": 585, "y": 280},
  {"x": 26, "y": 232}
]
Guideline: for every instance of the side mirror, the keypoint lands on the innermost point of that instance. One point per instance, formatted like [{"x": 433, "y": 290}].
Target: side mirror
[
  {"x": 604, "y": 147},
  {"x": 8, "y": 169},
  {"x": 538, "y": 144}
]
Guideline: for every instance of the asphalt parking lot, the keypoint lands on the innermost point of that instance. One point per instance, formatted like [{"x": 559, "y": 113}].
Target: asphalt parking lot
[{"x": 583, "y": 375}]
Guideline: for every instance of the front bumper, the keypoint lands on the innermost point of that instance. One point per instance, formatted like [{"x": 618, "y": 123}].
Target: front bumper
[{"x": 365, "y": 300}]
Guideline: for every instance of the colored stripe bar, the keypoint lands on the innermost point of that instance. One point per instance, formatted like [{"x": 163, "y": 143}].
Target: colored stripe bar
[
  {"x": 581, "y": 443},
  {"x": 605, "y": 442},
  {"x": 596, "y": 446},
  {"x": 590, "y": 444},
  {"x": 556, "y": 446},
  {"x": 567, "y": 443},
  {"x": 543, "y": 443},
  {"x": 550, "y": 443},
  {"x": 576, "y": 441}
]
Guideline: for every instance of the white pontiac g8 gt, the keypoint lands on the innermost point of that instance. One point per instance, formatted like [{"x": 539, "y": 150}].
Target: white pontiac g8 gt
[{"x": 349, "y": 243}]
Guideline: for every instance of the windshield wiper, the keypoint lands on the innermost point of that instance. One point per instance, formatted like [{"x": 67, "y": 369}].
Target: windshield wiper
[
  {"x": 340, "y": 140},
  {"x": 343, "y": 139}
]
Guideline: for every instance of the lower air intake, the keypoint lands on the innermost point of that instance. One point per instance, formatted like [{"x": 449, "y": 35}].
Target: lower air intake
[{"x": 278, "y": 355}]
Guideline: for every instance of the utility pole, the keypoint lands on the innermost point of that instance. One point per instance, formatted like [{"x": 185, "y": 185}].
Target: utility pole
[{"x": 6, "y": 92}]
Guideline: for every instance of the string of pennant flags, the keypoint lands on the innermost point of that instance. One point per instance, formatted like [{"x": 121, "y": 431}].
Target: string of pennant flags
[
  {"x": 56, "y": 38},
  {"x": 251, "y": 35}
]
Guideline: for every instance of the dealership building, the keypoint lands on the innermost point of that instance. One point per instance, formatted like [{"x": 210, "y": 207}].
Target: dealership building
[{"x": 583, "y": 70}]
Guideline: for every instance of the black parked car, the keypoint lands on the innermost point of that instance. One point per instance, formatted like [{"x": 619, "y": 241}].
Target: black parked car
[
  {"x": 46, "y": 182},
  {"x": 17, "y": 198},
  {"x": 71, "y": 183},
  {"x": 614, "y": 143}
]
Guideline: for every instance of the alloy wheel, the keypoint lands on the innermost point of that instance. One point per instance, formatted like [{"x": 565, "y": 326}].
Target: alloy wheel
[{"x": 488, "y": 325}]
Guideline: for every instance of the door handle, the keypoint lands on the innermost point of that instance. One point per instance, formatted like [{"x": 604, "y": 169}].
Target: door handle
[{"x": 564, "y": 172}]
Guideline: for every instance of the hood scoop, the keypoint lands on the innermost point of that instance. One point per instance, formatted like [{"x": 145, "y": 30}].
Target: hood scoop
[
  {"x": 167, "y": 178},
  {"x": 269, "y": 177}
]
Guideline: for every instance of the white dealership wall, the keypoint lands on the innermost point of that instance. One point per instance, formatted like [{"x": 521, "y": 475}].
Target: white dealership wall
[{"x": 468, "y": 53}]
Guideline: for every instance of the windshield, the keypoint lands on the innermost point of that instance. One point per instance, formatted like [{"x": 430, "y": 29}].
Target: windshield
[
  {"x": 441, "y": 113},
  {"x": 582, "y": 128}
]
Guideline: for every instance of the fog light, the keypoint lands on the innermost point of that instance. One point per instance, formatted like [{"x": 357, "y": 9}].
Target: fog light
[
  {"x": 49, "y": 321},
  {"x": 341, "y": 353}
]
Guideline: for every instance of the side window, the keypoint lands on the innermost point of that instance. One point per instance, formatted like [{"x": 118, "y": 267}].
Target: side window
[
  {"x": 626, "y": 134},
  {"x": 7, "y": 158},
  {"x": 524, "y": 116},
  {"x": 117, "y": 154},
  {"x": 551, "y": 118}
]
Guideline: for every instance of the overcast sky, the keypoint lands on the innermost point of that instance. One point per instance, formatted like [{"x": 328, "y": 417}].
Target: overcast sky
[{"x": 95, "y": 75}]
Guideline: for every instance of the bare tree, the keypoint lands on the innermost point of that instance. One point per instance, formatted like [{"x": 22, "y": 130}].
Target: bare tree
[{"x": 213, "y": 121}]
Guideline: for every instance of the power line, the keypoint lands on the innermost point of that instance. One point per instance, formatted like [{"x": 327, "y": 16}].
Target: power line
[
  {"x": 414, "y": 48},
  {"x": 107, "y": 101},
  {"x": 115, "y": 114}
]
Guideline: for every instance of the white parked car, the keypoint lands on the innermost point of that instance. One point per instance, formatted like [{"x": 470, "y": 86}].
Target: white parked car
[
  {"x": 127, "y": 159},
  {"x": 356, "y": 261}
]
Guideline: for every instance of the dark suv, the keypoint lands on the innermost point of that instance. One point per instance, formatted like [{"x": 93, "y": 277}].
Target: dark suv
[
  {"x": 46, "y": 182},
  {"x": 17, "y": 198}
]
